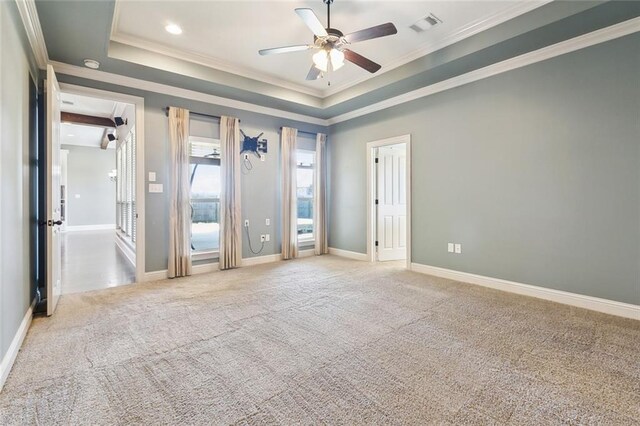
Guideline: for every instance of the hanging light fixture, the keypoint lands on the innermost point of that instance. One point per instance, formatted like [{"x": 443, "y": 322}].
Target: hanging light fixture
[
  {"x": 337, "y": 59},
  {"x": 325, "y": 59}
]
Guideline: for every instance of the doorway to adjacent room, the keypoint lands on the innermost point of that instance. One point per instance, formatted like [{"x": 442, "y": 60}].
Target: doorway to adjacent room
[{"x": 389, "y": 199}]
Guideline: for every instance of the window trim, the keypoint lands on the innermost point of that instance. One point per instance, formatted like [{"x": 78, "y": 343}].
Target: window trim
[
  {"x": 126, "y": 189},
  {"x": 205, "y": 255}
]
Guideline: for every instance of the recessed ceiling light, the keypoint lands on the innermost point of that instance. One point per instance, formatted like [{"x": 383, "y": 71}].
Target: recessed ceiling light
[
  {"x": 173, "y": 29},
  {"x": 70, "y": 135},
  {"x": 91, "y": 63}
]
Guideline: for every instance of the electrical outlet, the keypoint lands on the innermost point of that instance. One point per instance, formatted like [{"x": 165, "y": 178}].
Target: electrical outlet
[
  {"x": 267, "y": 222},
  {"x": 246, "y": 156},
  {"x": 450, "y": 247},
  {"x": 262, "y": 157},
  {"x": 267, "y": 237},
  {"x": 246, "y": 223},
  {"x": 262, "y": 238},
  {"x": 458, "y": 248}
]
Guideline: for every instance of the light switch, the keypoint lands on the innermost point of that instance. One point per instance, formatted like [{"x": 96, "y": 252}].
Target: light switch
[
  {"x": 152, "y": 176},
  {"x": 267, "y": 222},
  {"x": 77, "y": 195},
  {"x": 450, "y": 247},
  {"x": 267, "y": 237},
  {"x": 458, "y": 248},
  {"x": 155, "y": 188}
]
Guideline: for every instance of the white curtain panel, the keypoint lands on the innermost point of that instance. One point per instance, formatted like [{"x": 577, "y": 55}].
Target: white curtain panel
[
  {"x": 180, "y": 213},
  {"x": 320, "y": 196},
  {"x": 230, "y": 211},
  {"x": 289, "y": 189}
]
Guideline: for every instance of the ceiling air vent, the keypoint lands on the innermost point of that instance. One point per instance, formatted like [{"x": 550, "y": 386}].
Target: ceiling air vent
[{"x": 425, "y": 23}]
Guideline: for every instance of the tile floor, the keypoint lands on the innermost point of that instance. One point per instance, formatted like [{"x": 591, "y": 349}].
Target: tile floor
[{"x": 91, "y": 261}]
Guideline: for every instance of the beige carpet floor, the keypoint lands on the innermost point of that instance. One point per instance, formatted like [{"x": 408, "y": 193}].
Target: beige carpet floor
[{"x": 322, "y": 341}]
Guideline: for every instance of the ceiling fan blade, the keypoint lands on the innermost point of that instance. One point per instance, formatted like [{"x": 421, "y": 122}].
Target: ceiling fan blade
[
  {"x": 285, "y": 49},
  {"x": 373, "y": 32},
  {"x": 314, "y": 73},
  {"x": 361, "y": 61},
  {"x": 312, "y": 21}
]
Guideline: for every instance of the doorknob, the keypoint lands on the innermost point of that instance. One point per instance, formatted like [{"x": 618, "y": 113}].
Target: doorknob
[
  {"x": 57, "y": 222},
  {"x": 51, "y": 222}
]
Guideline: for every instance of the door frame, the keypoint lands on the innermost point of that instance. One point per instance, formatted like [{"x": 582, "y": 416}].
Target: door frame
[
  {"x": 371, "y": 187},
  {"x": 138, "y": 103}
]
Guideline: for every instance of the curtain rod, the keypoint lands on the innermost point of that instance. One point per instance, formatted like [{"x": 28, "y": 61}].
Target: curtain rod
[
  {"x": 307, "y": 133},
  {"x": 217, "y": 117}
]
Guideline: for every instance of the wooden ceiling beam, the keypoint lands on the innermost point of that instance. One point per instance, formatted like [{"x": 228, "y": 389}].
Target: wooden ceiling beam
[
  {"x": 105, "y": 141},
  {"x": 87, "y": 120}
]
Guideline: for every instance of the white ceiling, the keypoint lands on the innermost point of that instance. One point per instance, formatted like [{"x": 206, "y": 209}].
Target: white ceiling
[
  {"x": 87, "y": 106},
  {"x": 227, "y": 35},
  {"x": 74, "y": 134}
]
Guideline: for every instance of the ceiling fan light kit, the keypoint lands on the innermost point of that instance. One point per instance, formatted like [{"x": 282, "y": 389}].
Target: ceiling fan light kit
[
  {"x": 332, "y": 59},
  {"x": 332, "y": 44}
]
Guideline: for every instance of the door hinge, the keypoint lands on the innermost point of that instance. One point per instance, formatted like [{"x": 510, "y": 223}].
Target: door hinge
[
  {"x": 376, "y": 202},
  {"x": 376, "y": 244},
  {"x": 376, "y": 161}
]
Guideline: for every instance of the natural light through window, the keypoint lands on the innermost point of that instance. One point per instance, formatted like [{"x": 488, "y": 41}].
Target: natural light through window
[
  {"x": 305, "y": 164},
  {"x": 126, "y": 188},
  {"x": 204, "y": 178}
]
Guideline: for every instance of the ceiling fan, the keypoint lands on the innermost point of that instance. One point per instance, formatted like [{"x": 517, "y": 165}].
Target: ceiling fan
[{"x": 332, "y": 44}]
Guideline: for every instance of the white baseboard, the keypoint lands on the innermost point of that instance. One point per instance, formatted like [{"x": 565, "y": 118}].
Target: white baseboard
[
  {"x": 307, "y": 252},
  {"x": 103, "y": 227},
  {"x": 249, "y": 261},
  {"x": 205, "y": 268},
  {"x": 195, "y": 270},
  {"x": 16, "y": 343},
  {"x": 156, "y": 275},
  {"x": 348, "y": 254},
  {"x": 212, "y": 267},
  {"x": 611, "y": 307},
  {"x": 126, "y": 250}
]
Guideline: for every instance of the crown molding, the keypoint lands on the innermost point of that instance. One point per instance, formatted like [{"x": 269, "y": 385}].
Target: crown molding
[
  {"x": 453, "y": 37},
  {"x": 136, "y": 83},
  {"x": 200, "y": 59},
  {"x": 210, "y": 62},
  {"x": 596, "y": 37},
  {"x": 31, "y": 23},
  {"x": 586, "y": 40}
]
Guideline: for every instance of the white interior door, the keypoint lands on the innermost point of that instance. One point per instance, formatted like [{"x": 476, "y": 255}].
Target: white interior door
[
  {"x": 391, "y": 188},
  {"x": 54, "y": 261}
]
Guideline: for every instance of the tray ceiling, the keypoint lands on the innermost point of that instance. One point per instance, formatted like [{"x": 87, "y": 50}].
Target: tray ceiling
[{"x": 227, "y": 35}]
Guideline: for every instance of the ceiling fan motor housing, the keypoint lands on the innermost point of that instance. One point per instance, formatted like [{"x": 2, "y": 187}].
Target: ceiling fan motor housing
[
  {"x": 333, "y": 38},
  {"x": 332, "y": 43}
]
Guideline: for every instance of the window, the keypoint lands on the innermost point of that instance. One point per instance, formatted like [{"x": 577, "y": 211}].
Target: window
[
  {"x": 204, "y": 175},
  {"x": 305, "y": 164},
  {"x": 126, "y": 188}
]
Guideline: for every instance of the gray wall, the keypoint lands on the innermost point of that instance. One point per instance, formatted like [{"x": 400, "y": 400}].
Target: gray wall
[
  {"x": 536, "y": 172},
  {"x": 88, "y": 171},
  {"x": 16, "y": 286},
  {"x": 260, "y": 188}
]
